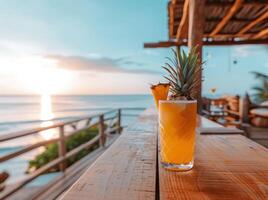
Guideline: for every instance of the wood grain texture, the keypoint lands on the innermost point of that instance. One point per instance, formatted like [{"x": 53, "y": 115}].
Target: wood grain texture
[
  {"x": 171, "y": 16},
  {"x": 261, "y": 34},
  {"x": 226, "y": 167},
  {"x": 253, "y": 23},
  {"x": 220, "y": 131},
  {"x": 127, "y": 170},
  {"x": 183, "y": 26},
  {"x": 237, "y": 4},
  {"x": 206, "y": 123},
  {"x": 169, "y": 43},
  {"x": 195, "y": 40}
]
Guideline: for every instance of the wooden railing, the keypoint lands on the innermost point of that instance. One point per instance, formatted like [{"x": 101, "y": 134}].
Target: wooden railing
[{"x": 107, "y": 122}]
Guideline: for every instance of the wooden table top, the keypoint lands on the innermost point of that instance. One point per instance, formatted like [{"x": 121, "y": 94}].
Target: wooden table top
[
  {"x": 127, "y": 169},
  {"x": 226, "y": 167}
]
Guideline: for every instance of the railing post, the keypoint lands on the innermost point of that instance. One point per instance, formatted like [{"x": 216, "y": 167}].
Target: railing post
[
  {"x": 62, "y": 147},
  {"x": 119, "y": 121},
  {"x": 102, "y": 131}
]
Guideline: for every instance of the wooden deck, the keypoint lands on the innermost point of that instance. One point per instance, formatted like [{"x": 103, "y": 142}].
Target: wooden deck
[{"x": 228, "y": 166}]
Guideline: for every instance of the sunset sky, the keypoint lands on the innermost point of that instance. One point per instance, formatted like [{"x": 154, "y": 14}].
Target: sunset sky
[{"x": 96, "y": 47}]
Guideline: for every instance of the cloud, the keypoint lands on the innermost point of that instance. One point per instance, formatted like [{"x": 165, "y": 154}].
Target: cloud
[
  {"x": 150, "y": 52},
  {"x": 242, "y": 51},
  {"x": 97, "y": 64},
  {"x": 245, "y": 51},
  {"x": 128, "y": 62}
]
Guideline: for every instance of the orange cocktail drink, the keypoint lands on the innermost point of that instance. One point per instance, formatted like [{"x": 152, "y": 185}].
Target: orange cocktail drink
[{"x": 177, "y": 124}]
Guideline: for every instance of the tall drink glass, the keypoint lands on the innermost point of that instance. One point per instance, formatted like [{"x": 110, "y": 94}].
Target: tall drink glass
[{"x": 177, "y": 124}]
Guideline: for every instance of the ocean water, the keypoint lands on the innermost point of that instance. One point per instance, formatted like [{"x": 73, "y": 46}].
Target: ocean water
[
  {"x": 22, "y": 112},
  {"x": 26, "y": 112}
]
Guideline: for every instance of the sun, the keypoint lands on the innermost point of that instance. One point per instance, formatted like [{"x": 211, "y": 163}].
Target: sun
[
  {"x": 47, "y": 81},
  {"x": 42, "y": 76}
]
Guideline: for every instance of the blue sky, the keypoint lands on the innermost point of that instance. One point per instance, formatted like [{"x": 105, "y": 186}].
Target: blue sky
[{"x": 96, "y": 47}]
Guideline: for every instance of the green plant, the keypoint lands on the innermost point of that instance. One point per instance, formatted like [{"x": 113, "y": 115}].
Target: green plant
[
  {"x": 261, "y": 90},
  {"x": 183, "y": 74},
  {"x": 51, "y": 151}
]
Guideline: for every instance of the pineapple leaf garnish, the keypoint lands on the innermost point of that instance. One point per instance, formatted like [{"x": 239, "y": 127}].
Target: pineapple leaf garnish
[{"x": 183, "y": 71}]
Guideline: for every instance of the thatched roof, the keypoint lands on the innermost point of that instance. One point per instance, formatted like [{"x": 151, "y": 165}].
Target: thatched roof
[{"x": 226, "y": 22}]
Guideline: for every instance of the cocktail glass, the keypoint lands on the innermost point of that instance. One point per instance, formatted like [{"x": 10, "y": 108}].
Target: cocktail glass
[{"x": 177, "y": 124}]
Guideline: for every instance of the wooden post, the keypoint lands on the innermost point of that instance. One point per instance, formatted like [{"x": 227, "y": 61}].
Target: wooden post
[
  {"x": 102, "y": 131},
  {"x": 119, "y": 121},
  {"x": 195, "y": 37},
  {"x": 62, "y": 148},
  {"x": 244, "y": 108}
]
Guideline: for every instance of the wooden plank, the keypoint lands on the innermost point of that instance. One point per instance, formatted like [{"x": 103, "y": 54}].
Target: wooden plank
[
  {"x": 227, "y": 17},
  {"x": 217, "y": 20},
  {"x": 226, "y": 167},
  {"x": 195, "y": 39},
  {"x": 19, "y": 134},
  {"x": 206, "y": 126},
  {"x": 171, "y": 19},
  {"x": 222, "y": 4},
  {"x": 253, "y": 23},
  {"x": 26, "y": 149},
  {"x": 206, "y": 123},
  {"x": 167, "y": 44},
  {"x": 219, "y": 131},
  {"x": 183, "y": 27},
  {"x": 263, "y": 33},
  {"x": 127, "y": 170}
]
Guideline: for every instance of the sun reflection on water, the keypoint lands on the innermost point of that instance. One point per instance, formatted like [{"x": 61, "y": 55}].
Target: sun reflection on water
[{"x": 47, "y": 115}]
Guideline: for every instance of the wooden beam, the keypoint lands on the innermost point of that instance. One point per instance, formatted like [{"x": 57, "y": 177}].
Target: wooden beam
[
  {"x": 171, "y": 19},
  {"x": 183, "y": 26},
  {"x": 167, "y": 44},
  {"x": 164, "y": 44},
  {"x": 261, "y": 34},
  {"x": 217, "y": 20},
  {"x": 229, "y": 3},
  {"x": 195, "y": 38},
  {"x": 227, "y": 17},
  {"x": 253, "y": 23},
  {"x": 227, "y": 36},
  {"x": 221, "y": 36}
]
